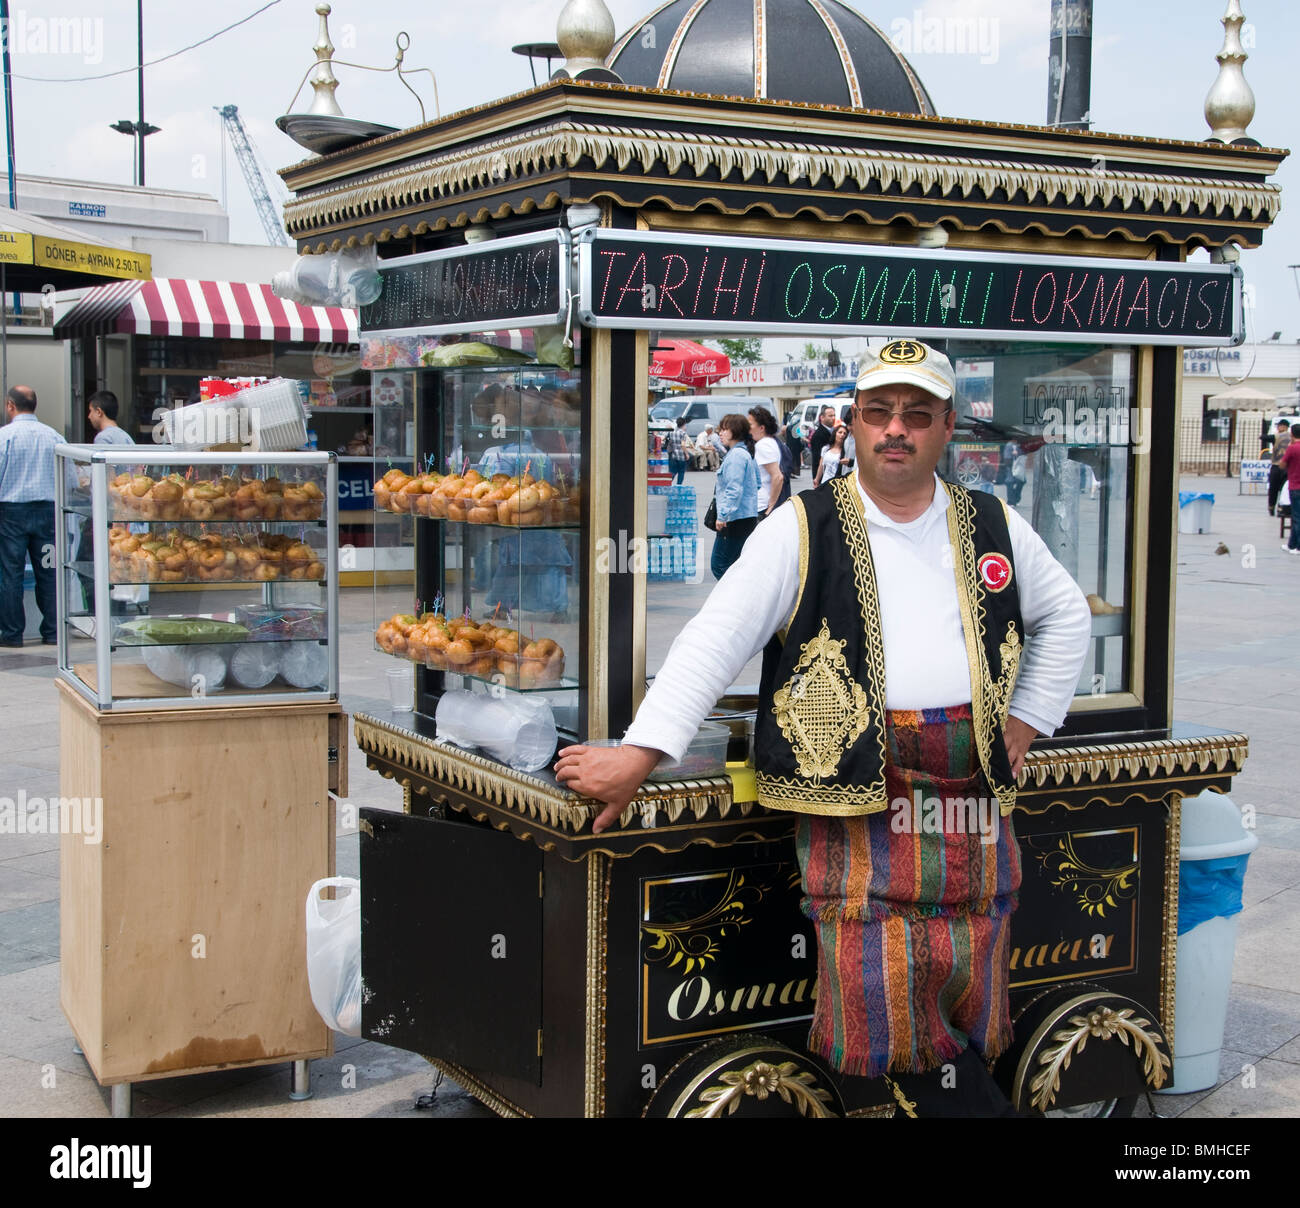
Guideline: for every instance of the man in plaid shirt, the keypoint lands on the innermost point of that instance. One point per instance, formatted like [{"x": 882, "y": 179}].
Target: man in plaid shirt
[
  {"x": 677, "y": 450},
  {"x": 27, "y": 470}
]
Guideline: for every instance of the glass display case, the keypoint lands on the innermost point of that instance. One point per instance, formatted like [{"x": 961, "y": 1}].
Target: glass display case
[
  {"x": 1057, "y": 431},
  {"x": 197, "y": 578},
  {"x": 492, "y": 507}
]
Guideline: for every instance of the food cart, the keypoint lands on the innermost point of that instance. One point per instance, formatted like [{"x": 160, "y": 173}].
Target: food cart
[{"x": 663, "y": 967}]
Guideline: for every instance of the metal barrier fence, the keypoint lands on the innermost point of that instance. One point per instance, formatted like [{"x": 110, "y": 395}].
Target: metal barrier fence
[{"x": 1222, "y": 455}]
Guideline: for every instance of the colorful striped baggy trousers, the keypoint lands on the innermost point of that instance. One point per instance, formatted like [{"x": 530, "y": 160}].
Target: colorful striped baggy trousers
[{"x": 913, "y": 921}]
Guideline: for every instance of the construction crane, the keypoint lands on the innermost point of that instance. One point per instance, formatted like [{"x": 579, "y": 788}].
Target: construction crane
[{"x": 243, "y": 146}]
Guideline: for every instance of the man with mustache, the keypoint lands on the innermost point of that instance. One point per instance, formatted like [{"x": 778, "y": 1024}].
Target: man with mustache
[{"x": 916, "y": 638}]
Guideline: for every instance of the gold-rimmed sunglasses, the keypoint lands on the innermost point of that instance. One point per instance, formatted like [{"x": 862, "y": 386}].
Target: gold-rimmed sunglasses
[{"x": 915, "y": 418}]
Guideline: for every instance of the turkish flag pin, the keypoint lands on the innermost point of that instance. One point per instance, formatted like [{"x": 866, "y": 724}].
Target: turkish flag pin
[{"x": 995, "y": 570}]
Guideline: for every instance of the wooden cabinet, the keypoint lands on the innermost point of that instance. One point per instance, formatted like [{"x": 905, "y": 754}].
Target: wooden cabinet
[{"x": 183, "y": 926}]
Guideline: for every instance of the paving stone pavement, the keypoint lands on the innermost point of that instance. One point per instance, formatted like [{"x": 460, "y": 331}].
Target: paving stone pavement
[{"x": 1237, "y": 667}]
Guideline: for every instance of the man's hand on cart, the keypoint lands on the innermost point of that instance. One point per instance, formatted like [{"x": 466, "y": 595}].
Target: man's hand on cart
[{"x": 609, "y": 774}]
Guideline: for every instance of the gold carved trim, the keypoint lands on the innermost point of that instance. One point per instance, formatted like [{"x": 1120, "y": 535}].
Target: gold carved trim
[
  {"x": 640, "y": 453},
  {"x": 853, "y": 523},
  {"x": 593, "y": 1095},
  {"x": 1139, "y": 556},
  {"x": 1113, "y": 795},
  {"x": 552, "y": 100},
  {"x": 885, "y": 1111},
  {"x": 481, "y": 1091},
  {"x": 1101, "y": 1023},
  {"x": 905, "y": 1105},
  {"x": 532, "y": 797},
  {"x": 799, "y": 797},
  {"x": 758, "y": 1079},
  {"x": 596, "y": 489},
  {"x": 561, "y": 144},
  {"x": 1169, "y": 927},
  {"x": 1089, "y": 764}
]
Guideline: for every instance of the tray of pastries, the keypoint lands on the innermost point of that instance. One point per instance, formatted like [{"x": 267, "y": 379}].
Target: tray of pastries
[
  {"x": 175, "y": 497},
  {"x": 174, "y": 556},
  {"x": 481, "y": 649},
  {"x": 518, "y": 499}
]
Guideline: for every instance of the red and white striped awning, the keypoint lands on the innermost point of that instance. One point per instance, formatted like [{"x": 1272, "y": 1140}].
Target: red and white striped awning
[{"x": 175, "y": 306}]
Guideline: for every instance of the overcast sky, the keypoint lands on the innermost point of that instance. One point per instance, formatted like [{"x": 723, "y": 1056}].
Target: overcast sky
[{"x": 1153, "y": 62}]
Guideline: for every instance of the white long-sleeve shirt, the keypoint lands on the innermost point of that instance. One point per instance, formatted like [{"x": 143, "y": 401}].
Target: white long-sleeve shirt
[{"x": 926, "y": 665}]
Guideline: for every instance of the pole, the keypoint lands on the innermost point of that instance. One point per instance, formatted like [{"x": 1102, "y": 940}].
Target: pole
[
  {"x": 4, "y": 334},
  {"x": 9, "y": 107},
  {"x": 139, "y": 129}
]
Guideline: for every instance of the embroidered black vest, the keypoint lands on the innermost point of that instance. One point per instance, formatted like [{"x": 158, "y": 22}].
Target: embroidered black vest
[{"x": 819, "y": 744}]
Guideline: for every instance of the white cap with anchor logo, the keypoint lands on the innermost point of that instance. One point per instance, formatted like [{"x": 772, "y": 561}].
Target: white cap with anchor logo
[{"x": 909, "y": 363}]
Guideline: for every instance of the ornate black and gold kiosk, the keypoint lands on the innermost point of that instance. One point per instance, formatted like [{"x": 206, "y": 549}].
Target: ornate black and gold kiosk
[{"x": 664, "y": 967}]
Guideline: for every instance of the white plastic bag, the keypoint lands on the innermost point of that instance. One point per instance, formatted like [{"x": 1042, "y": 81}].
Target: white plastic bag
[{"x": 334, "y": 953}]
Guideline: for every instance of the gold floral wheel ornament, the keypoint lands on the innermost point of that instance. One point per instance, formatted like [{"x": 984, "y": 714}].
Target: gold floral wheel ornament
[
  {"x": 1064, "y": 1033},
  {"x": 750, "y": 1076},
  {"x": 760, "y": 1080}
]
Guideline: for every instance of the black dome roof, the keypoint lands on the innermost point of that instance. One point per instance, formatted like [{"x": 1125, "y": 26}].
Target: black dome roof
[{"x": 818, "y": 51}]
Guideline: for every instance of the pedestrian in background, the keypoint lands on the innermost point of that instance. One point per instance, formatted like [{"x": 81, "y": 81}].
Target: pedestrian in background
[
  {"x": 823, "y": 436},
  {"x": 677, "y": 451},
  {"x": 27, "y": 471},
  {"x": 101, "y": 412},
  {"x": 1276, "y": 473},
  {"x": 774, "y": 483},
  {"x": 736, "y": 495},
  {"x": 1291, "y": 464},
  {"x": 832, "y": 454},
  {"x": 707, "y": 456}
]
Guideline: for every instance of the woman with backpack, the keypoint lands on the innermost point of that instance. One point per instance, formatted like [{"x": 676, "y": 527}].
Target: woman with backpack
[{"x": 736, "y": 495}]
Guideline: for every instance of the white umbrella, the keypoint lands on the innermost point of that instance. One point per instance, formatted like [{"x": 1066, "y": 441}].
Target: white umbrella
[{"x": 1243, "y": 397}]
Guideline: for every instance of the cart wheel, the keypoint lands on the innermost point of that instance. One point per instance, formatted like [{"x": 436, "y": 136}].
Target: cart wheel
[
  {"x": 1102, "y": 1109},
  {"x": 1084, "y": 1052},
  {"x": 968, "y": 471},
  {"x": 748, "y": 1076}
]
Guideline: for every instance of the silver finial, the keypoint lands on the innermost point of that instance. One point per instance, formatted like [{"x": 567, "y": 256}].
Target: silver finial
[
  {"x": 323, "y": 80},
  {"x": 1230, "y": 104},
  {"x": 585, "y": 35}
]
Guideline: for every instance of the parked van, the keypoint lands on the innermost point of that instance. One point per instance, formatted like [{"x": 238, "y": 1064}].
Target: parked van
[
  {"x": 701, "y": 410},
  {"x": 804, "y": 415}
]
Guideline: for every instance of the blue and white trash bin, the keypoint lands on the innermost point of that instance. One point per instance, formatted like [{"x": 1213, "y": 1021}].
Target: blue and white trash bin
[
  {"x": 1212, "y": 867},
  {"x": 1194, "y": 511}
]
